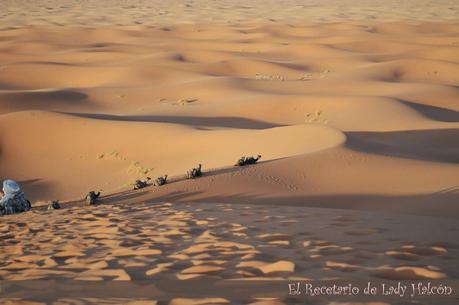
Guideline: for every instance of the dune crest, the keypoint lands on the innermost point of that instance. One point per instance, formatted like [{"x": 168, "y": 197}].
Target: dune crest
[{"x": 352, "y": 105}]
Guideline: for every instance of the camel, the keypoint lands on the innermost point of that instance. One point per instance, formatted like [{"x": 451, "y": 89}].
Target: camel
[
  {"x": 247, "y": 160},
  {"x": 161, "y": 180},
  {"x": 140, "y": 184},
  {"x": 194, "y": 172},
  {"x": 92, "y": 198},
  {"x": 54, "y": 205}
]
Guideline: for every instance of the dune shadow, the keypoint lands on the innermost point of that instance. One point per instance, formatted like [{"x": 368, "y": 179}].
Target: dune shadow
[
  {"x": 417, "y": 204},
  {"x": 56, "y": 95},
  {"x": 32, "y": 187},
  {"x": 50, "y": 63},
  {"x": 118, "y": 197},
  {"x": 433, "y": 112},
  {"x": 122, "y": 196},
  {"x": 43, "y": 100},
  {"x": 4, "y": 86},
  {"x": 219, "y": 122},
  {"x": 439, "y": 145}
]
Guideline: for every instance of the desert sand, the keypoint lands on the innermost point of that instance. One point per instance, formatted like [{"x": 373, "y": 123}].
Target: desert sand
[{"x": 353, "y": 106}]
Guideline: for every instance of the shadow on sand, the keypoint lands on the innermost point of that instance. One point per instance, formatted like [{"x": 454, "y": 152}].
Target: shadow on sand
[{"x": 221, "y": 122}]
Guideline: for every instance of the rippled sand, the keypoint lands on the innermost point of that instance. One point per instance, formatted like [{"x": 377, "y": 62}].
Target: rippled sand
[
  {"x": 17, "y": 13},
  {"x": 352, "y": 105},
  {"x": 253, "y": 244}
]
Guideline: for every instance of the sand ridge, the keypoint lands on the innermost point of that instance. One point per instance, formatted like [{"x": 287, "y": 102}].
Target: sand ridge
[{"x": 352, "y": 105}]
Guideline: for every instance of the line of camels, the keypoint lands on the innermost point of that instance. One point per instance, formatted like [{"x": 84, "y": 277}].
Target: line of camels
[{"x": 93, "y": 197}]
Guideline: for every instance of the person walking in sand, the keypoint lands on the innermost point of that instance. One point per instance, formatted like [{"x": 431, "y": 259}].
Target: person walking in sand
[{"x": 13, "y": 200}]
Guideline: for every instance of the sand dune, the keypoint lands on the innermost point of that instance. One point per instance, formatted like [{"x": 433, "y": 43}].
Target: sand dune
[
  {"x": 118, "y": 151},
  {"x": 131, "y": 103},
  {"x": 352, "y": 105}
]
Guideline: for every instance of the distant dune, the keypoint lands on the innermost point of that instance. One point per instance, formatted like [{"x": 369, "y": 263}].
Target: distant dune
[
  {"x": 90, "y": 13},
  {"x": 353, "y": 106},
  {"x": 367, "y": 109}
]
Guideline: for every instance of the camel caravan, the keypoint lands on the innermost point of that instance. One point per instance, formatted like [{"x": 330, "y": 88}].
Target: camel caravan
[{"x": 14, "y": 200}]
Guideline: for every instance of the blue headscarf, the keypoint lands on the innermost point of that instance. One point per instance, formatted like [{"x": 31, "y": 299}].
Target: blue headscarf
[{"x": 10, "y": 187}]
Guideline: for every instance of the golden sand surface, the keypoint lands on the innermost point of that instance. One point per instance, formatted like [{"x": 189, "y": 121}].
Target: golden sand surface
[
  {"x": 353, "y": 106},
  {"x": 221, "y": 243}
]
